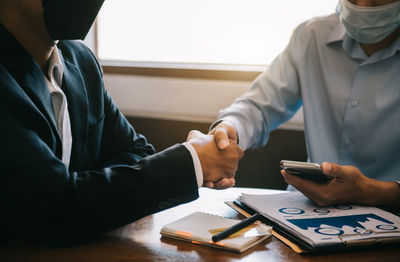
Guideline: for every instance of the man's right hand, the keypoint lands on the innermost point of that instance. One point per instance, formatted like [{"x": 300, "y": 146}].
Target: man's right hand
[
  {"x": 216, "y": 163},
  {"x": 222, "y": 133}
]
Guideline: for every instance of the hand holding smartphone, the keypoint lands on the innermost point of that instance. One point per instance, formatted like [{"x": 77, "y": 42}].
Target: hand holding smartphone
[{"x": 309, "y": 171}]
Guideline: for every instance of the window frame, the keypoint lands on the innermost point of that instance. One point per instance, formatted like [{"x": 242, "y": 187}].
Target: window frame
[{"x": 177, "y": 70}]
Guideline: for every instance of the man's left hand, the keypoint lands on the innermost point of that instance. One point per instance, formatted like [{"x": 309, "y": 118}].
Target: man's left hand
[{"x": 349, "y": 186}]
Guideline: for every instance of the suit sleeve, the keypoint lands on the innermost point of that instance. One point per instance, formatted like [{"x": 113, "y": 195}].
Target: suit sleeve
[
  {"x": 120, "y": 143},
  {"x": 41, "y": 199}
]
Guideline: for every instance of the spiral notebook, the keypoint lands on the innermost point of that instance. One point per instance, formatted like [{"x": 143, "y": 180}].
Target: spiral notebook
[{"x": 199, "y": 227}]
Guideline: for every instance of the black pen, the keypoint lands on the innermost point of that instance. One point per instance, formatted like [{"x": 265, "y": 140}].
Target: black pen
[{"x": 235, "y": 228}]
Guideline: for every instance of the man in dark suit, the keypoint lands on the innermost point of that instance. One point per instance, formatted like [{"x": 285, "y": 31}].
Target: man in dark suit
[{"x": 71, "y": 166}]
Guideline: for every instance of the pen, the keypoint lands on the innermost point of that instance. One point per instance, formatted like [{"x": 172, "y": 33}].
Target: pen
[{"x": 235, "y": 228}]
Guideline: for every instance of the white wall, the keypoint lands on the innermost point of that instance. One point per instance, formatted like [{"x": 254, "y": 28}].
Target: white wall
[{"x": 194, "y": 100}]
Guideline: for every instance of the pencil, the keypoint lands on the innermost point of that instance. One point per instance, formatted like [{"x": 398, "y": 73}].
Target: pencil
[{"x": 235, "y": 228}]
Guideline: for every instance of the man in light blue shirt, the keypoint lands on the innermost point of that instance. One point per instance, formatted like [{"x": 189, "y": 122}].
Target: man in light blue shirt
[{"x": 344, "y": 70}]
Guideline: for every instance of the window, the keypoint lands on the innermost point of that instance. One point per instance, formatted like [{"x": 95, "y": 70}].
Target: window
[{"x": 201, "y": 32}]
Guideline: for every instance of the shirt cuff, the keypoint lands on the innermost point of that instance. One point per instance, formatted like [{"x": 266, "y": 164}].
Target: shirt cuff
[
  {"x": 196, "y": 163},
  {"x": 214, "y": 125}
]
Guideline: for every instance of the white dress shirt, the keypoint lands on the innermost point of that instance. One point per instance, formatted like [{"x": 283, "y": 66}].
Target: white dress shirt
[{"x": 60, "y": 105}]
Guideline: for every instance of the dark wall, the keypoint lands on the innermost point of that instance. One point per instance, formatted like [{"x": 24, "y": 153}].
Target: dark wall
[{"x": 258, "y": 168}]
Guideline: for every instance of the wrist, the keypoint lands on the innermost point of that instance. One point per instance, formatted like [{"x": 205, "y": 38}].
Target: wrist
[
  {"x": 380, "y": 193},
  {"x": 368, "y": 187}
]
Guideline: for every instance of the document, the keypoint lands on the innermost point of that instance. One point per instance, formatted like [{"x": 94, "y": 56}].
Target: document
[{"x": 325, "y": 227}]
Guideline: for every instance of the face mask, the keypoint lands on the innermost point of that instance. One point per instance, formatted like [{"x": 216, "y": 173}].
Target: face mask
[
  {"x": 70, "y": 19},
  {"x": 369, "y": 24}
]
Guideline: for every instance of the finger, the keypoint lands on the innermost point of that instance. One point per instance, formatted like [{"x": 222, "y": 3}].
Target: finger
[
  {"x": 230, "y": 162},
  {"x": 193, "y": 134},
  {"x": 298, "y": 182},
  {"x": 221, "y": 137},
  {"x": 235, "y": 148},
  {"x": 230, "y": 170},
  {"x": 224, "y": 183},
  {"x": 208, "y": 184},
  {"x": 287, "y": 178},
  {"x": 239, "y": 151},
  {"x": 310, "y": 189}
]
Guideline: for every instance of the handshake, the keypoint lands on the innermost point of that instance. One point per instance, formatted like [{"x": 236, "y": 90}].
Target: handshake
[{"x": 219, "y": 154}]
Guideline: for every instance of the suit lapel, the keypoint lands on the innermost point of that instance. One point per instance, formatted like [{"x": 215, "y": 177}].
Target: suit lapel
[
  {"x": 19, "y": 91},
  {"x": 35, "y": 86}
]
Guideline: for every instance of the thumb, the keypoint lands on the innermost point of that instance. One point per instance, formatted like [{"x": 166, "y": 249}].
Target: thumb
[
  {"x": 332, "y": 169},
  {"x": 221, "y": 138}
]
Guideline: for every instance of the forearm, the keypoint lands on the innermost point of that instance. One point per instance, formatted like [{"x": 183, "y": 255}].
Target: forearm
[
  {"x": 383, "y": 194},
  {"x": 97, "y": 201},
  {"x": 64, "y": 205}
]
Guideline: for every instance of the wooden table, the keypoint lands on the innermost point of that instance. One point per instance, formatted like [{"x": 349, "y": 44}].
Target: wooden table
[{"x": 141, "y": 241}]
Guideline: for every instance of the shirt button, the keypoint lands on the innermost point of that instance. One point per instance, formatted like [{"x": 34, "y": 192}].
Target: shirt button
[{"x": 354, "y": 103}]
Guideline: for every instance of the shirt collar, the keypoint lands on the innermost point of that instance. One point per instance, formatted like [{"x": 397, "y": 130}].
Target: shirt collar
[
  {"x": 393, "y": 49},
  {"x": 338, "y": 33},
  {"x": 354, "y": 49},
  {"x": 55, "y": 68}
]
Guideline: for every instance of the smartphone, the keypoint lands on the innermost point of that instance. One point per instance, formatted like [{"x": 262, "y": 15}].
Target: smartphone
[{"x": 309, "y": 171}]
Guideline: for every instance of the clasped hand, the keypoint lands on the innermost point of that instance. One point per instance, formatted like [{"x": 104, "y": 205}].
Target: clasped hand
[{"x": 219, "y": 165}]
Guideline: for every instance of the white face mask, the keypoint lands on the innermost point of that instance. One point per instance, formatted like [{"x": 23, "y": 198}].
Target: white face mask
[{"x": 369, "y": 24}]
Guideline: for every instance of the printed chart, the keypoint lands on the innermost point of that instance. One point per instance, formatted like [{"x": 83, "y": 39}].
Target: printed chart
[{"x": 326, "y": 225}]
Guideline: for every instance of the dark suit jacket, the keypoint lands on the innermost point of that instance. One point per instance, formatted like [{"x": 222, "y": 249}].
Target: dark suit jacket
[{"x": 113, "y": 178}]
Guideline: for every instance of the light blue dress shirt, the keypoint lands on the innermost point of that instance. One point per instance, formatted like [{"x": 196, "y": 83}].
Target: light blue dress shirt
[{"x": 351, "y": 102}]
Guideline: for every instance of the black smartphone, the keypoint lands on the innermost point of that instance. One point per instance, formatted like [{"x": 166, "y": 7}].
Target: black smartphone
[{"x": 309, "y": 171}]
